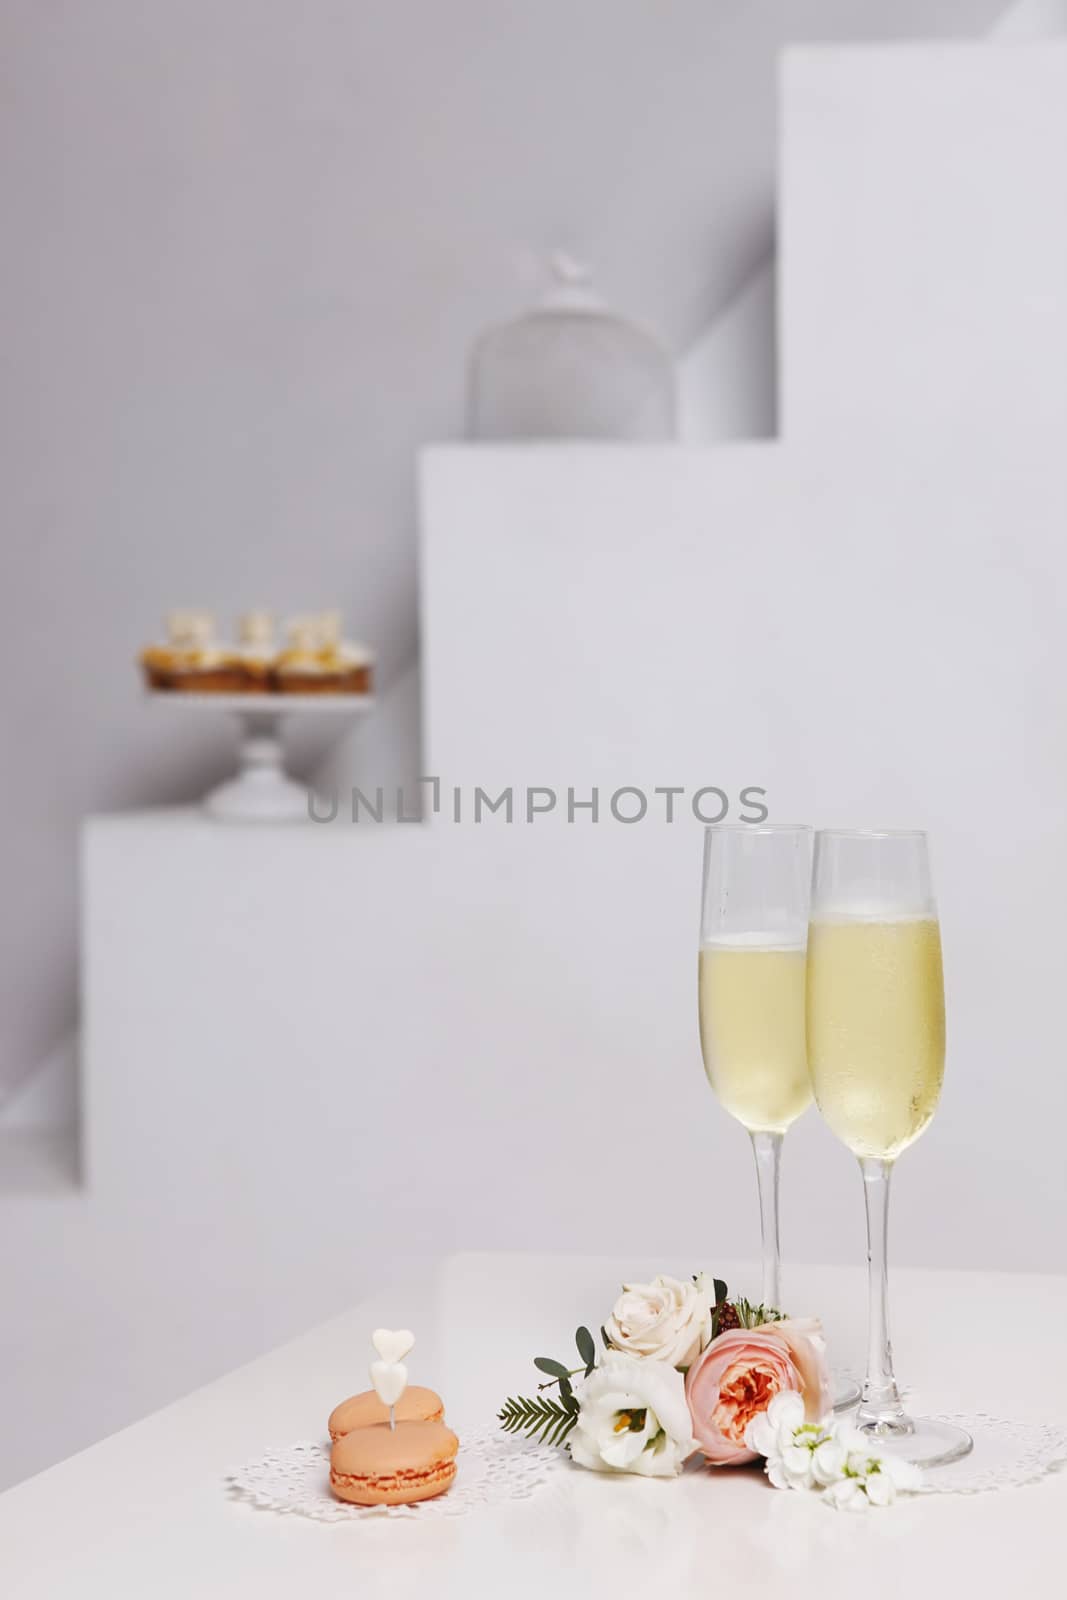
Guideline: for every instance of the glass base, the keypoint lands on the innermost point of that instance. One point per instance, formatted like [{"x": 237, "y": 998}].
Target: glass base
[
  {"x": 920, "y": 1440},
  {"x": 844, "y": 1392}
]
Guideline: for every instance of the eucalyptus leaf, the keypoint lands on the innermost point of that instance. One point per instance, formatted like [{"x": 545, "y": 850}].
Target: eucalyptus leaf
[
  {"x": 555, "y": 1369},
  {"x": 586, "y": 1349}
]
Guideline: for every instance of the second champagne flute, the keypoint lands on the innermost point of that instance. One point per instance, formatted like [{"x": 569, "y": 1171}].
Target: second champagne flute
[{"x": 876, "y": 1044}]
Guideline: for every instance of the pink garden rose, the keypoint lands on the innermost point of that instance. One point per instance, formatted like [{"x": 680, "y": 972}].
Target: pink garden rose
[{"x": 739, "y": 1374}]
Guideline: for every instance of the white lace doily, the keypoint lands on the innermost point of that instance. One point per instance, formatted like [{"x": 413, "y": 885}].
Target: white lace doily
[
  {"x": 1006, "y": 1455},
  {"x": 491, "y": 1467}
]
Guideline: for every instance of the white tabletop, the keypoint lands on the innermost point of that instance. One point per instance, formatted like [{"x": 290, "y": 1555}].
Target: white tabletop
[{"x": 145, "y": 1512}]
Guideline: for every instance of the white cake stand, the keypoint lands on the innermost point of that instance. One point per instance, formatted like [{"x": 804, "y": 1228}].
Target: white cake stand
[{"x": 262, "y": 790}]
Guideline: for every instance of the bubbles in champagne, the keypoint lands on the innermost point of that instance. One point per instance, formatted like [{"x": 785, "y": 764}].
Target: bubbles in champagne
[{"x": 876, "y": 1028}]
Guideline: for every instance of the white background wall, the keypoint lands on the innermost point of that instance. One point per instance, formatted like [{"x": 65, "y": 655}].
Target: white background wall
[
  {"x": 246, "y": 244},
  {"x": 924, "y": 255}
]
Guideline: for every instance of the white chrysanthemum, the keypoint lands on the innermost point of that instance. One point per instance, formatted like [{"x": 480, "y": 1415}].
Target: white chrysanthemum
[
  {"x": 772, "y": 1431},
  {"x": 827, "y": 1461},
  {"x": 793, "y": 1448},
  {"x": 847, "y": 1494},
  {"x": 837, "y": 1459}
]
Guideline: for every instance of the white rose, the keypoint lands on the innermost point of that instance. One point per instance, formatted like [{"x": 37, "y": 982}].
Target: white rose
[
  {"x": 665, "y": 1320},
  {"x": 633, "y": 1417}
]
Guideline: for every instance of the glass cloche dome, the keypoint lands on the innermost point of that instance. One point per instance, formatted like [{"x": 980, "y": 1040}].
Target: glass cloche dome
[{"x": 570, "y": 369}]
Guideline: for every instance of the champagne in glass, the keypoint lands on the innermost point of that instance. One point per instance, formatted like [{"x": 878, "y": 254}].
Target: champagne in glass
[
  {"x": 753, "y": 935},
  {"x": 880, "y": 1068},
  {"x": 876, "y": 1049},
  {"x": 752, "y": 1029}
]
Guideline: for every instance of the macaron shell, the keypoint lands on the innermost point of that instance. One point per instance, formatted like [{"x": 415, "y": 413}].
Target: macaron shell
[
  {"x": 365, "y": 1410},
  {"x": 380, "y": 1465},
  {"x": 398, "y": 1492}
]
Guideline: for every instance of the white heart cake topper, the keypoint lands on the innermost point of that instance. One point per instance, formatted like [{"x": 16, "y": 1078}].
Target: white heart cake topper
[
  {"x": 389, "y": 1379},
  {"x": 389, "y": 1375},
  {"x": 393, "y": 1345}
]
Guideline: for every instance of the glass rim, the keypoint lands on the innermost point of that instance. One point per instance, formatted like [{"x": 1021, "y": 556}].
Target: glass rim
[
  {"x": 758, "y": 827},
  {"x": 871, "y": 833}
]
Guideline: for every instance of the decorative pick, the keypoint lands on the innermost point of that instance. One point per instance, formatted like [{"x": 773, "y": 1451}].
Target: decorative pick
[
  {"x": 389, "y": 1374},
  {"x": 393, "y": 1345}
]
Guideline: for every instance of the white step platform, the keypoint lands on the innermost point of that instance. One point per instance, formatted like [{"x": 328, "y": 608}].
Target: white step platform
[
  {"x": 280, "y": 1022},
  {"x": 875, "y": 643},
  {"x": 923, "y": 241}
]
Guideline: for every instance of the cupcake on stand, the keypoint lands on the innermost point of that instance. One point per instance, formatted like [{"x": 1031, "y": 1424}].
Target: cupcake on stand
[
  {"x": 317, "y": 674},
  {"x": 192, "y": 660},
  {"x": 257, "y": 650},
  {"x": 349, "y": 664},
  {"x": 317, "y": 660}
]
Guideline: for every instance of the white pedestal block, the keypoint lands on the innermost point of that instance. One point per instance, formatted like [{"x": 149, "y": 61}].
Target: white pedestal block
[
  {"x": 923, "y": 241},
  {"x": 875, "y": 643},
  {"x": 307, "y": 1049}
]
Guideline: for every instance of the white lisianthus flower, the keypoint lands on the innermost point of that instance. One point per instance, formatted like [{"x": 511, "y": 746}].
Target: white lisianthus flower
[
  {"x": 836, "y": 1459},
  {"x": 665, "y": 1320},
  {"x": 632, "y": 1417}
]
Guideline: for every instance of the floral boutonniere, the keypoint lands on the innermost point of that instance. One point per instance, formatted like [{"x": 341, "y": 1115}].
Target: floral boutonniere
[{"x": 684, "y": 1370}]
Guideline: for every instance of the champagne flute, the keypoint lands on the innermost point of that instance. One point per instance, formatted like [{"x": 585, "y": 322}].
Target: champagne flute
[
  {"x": 876, "y": 1048},
  {"x": 753, "y": 936}
]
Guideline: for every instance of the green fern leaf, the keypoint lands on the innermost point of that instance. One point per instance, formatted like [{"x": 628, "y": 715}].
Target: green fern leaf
[{"x": 545, "y": 1420}]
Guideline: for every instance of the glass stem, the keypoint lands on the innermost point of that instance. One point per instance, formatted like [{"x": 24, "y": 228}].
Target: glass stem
[
  {"x": 880, "y": 1405},
  {"x": 767, "y": 1148}
]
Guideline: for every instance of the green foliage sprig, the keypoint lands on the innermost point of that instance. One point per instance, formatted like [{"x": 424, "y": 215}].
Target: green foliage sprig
[
  {"x": 543, "y": 1418},
  {"x": 750, "y": 1316},
  {"x": 717, "y": 1308},
  {"x": 546, "y": 1420}
]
